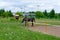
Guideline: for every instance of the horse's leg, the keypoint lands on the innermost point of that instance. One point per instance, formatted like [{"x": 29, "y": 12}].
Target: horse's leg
[
  {"x": 25, "y": 22},
  {"x": 33, "y": 20},
  {"x": 22, "y": 21},
  {"x": 32, "y": 23}
]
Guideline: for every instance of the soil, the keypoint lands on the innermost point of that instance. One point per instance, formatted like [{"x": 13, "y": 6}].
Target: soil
[{"x": 50, "y": 30}]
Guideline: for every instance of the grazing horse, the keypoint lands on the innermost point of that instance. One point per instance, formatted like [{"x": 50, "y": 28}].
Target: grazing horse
[
  {"x": 16, "y": 17},
  {"x": 28, "y": 20}
]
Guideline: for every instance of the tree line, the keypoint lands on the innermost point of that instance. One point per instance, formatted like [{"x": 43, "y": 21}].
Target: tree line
[
  {"x": 38, "y": 14},
  {"x": 45, "y": 14},
  {"x": 8, "y": 13},
  {"x": 4, "y": 13}
]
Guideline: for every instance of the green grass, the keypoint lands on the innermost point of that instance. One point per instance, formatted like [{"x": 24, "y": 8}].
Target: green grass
[
  {"x": 12, "y": 30},
  {"x": 48, "y": 21}
]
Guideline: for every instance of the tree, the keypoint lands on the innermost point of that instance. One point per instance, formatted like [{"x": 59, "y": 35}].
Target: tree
[
  {"x": 1, "y": 12},
  {"x": 58, "y": 15},
  {"x": 10, "y": 13},
  {"x": 38, "y": 14},
  {"x": 52, "y": 13},
  {"x": 45, "y": 13},
  {"x": 5, "y": 14}
]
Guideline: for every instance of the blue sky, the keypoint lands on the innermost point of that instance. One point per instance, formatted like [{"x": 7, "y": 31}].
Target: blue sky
[{"x": 30, "y": 5}]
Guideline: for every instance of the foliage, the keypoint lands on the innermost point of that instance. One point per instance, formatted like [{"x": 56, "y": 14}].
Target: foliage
[
  {"x": 1, "y": 12},
  {"x": 7, "y": 14},
  {"x": 59, "y": 15},
  {"x": 52, "y": 13},
  {"x": 10, "y": 13},
  {"x": 12, "y": 19},
  {"x": 45, "y": 13},
  {"x": 39, "y": 14},
  {"x": 4, "y": 13}
]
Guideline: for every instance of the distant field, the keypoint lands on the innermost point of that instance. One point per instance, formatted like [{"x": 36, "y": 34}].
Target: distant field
[
  {"x": 48, "y": 21},
  {"x": 11, "y": 29}
]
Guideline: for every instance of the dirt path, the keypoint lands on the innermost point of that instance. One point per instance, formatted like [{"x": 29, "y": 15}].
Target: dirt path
[{"x": 51, "y": 30}]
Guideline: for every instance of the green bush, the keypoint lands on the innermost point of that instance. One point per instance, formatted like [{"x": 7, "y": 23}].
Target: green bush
[
  {"x": 39, "y": 14},
  {"x": 12, "y": 19}
]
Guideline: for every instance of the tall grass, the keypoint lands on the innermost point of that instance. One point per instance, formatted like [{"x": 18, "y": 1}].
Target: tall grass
[{"x": 48, "y": 21}]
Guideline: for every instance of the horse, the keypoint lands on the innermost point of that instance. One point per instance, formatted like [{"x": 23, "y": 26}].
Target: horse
[
  {"x": 16, "y": 17},
  {"x": 28, "y": 20}
]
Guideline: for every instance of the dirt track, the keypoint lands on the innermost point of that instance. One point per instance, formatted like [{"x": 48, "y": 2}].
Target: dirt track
[{"x": 51, "y": 30}]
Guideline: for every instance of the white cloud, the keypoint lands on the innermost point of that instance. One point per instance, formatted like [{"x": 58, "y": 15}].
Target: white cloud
[
  {"x": 30, "y": 5},
  {"x": 3, "y": 4}
]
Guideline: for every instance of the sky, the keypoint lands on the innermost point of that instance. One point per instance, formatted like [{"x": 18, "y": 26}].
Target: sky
[{"x": 30, "y": 5}]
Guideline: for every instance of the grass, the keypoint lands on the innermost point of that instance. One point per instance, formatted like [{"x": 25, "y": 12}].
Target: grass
[
  {"x": 12, "y": 30},
  {"x": 48, "y": 21}
]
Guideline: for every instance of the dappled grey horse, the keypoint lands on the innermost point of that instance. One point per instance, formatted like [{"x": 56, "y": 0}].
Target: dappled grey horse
[{"x": 25, "y": 19}]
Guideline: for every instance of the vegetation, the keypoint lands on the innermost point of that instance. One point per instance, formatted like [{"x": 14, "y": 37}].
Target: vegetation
[
  {"x": 45, "y": 14},
  {"x": 1, "y": 12},
  {"x": 12, "y": 30},
  {"x": 38, "y": 14},
  {"x": 4, "y": 13},
  {"x": 45, "y": 21},
  {"x": 52, "y": 14}
]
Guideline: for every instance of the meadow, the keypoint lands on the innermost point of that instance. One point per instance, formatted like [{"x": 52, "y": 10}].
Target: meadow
[
  {"x": 48, "y": 21},
  {"x": 11, "y": 29}
]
